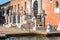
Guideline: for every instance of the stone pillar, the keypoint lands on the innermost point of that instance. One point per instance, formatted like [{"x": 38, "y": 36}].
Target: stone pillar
[
  {"x": 39, "y": 6},
  {"x": 9, "y": 17},
  {"x": 29, "y": 6},
  {"x": 20, "y": 22},
  {"x": 6, "y": 16},
  {"x": 12, "y": 18},
  {"x": 6, "y": 19},
  {"x": 14, "y": 8}
]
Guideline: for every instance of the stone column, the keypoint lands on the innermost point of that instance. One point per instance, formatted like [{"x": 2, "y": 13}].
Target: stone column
[
  {"x": 14, "y": 8},
  {"x": 39, "y": 6},
  {"x": 6, "y": 16},
  {"x": 6, "y": 19},
  {"x": 9, "y": 17},
  {"x": 29, "y": 6},
  {"x": 12, "y": 18},
  {"x": 20, "y": 18},
  {"x": 20, "y": 22}
]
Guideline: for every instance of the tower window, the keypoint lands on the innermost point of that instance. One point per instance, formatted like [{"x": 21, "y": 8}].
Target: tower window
[{"x": 56, "y": 4}]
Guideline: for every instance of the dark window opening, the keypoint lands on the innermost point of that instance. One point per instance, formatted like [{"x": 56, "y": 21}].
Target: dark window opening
[
  {"x": 8, "y": 12},
  {"x": 35, "y": 8},
  {"x": 19, "y": 18},
  {"x": 56, "y": 4},
  {"x": 2, "y": 19},
  {"x": 50, "y": 0},
  {"x": 3, "y": 12}
]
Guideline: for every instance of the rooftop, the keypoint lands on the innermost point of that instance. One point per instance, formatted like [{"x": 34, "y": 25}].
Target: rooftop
[{"x": 5, "y": 3}]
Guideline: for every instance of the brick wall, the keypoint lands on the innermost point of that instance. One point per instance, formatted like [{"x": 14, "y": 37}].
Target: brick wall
[
  {"x": 47, "y": 5},
  {"x": 52, "y": 17}
]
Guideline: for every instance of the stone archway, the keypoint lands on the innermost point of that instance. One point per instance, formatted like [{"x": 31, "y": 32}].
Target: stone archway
[{"x": 35, "y": 8}]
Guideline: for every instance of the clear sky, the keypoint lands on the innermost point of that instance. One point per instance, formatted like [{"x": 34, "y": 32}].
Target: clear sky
[{"x": 3, "y": 1}]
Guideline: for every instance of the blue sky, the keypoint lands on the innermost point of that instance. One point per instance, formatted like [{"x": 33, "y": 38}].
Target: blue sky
[{"x": 3, "y": 1}]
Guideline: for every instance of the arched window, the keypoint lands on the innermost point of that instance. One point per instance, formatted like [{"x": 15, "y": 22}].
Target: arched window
[
  {"x": 56, "y": 10},
  {"x": 50, "y": 0},
  {"x": 35, "y": 8},
  {"x": 56, "y": 5}
]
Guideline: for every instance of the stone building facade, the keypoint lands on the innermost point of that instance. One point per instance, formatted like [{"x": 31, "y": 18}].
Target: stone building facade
[
  {"x": 52, "y": 10},
  {"x": 27, "y": 7}
]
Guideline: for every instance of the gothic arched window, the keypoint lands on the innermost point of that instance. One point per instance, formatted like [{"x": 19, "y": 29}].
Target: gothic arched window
[
  {"x": 50, "y": 0},
  {"x": 35, "y": 8},
  {"x": 56, "y": 10},
  {"x": 56, "y": 4}
]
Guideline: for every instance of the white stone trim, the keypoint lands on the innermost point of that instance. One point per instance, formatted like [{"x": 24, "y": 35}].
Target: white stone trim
[
  {"x": 11, "y": 19},
  {"x": 29, "y": 12},
  {"x": 51, "y": 1},
  {"x": 56, "y": 10},
  {"x": 39, "y": 6}
]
